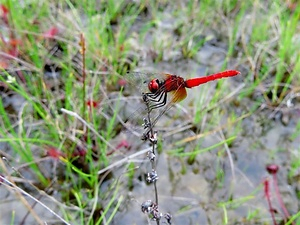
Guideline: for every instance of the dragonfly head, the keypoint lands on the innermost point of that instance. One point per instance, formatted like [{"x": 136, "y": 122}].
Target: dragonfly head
[{"x": 154, "y": 85}]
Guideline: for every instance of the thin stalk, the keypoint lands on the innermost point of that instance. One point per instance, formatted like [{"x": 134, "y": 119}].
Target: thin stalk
[
  {"x": 267, "y": 194},
  {"x": 82, "y": 44},
  {"x": 278, "y": 195},
  {"x": 153, "y": 141}
]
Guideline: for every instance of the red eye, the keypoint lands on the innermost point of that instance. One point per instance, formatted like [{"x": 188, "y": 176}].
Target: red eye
[{"x": 153, "y": 85}]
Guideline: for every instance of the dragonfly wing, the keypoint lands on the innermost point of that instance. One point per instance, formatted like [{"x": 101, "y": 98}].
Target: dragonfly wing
[
  {"x": 139, "y": 80},
  {"x": 178, "y": 95}
]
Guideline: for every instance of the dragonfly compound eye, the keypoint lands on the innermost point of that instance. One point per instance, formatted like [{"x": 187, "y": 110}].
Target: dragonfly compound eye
[{"x": 153, "y": 85}]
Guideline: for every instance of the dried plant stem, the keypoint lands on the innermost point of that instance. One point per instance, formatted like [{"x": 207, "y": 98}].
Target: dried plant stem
[
  {"x": 21, "y": 193},
  {"x": 70, "y": 113},
  {"x": 152, "y": 155},
  {"x": 82, "y": 51}
]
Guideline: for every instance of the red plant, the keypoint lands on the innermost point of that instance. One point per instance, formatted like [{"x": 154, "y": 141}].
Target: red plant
[
  {"x": 53, "y": 31},
  {"x": 122, "y": 82},
  {"x": 92, "y": 104},
  {"x": 4, "y": 13},
  {"x": 273, "y": 169},
  {"x": 267, "y": 194},
  {"x": 124, "y": 144},
  {"x": 10, "y": 43},
  {"x": 81, "y": 152},
  {"x": 54, "y": 153}
]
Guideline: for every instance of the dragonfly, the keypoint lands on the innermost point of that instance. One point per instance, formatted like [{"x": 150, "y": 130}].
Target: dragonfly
[{"x": 161, "y": 85}]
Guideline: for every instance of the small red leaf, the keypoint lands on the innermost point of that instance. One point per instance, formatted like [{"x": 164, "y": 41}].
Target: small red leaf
[
  {"x": 4, "y": 9},
  {"x": 53, "y": 31},
  {"x": 4, "y": 13},
  {"x": 15, "y": 42},
  {"x": 81, "y": 152},
  {"x": 123, "y": 143},
  {"x": 13, "y": 52},
  {"x": 54, "y": 153},
  {"x": 91, "y": 103}
]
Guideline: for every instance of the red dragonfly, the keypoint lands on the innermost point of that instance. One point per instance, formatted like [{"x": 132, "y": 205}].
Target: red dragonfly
[
  {"x": 158, "y": 88},
  {"x": 177, "y": 86}
]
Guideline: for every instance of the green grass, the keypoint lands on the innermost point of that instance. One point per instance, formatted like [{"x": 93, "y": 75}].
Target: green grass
[{"x": 261, "y": 41}]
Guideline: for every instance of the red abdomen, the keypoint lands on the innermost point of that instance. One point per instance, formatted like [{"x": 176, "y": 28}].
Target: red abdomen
[{"x": 193, "y": 82}]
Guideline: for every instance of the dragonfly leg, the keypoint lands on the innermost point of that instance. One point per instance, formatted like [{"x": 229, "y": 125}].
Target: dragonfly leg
[
  {"x": 159, "y": 102},
  {"x": 150, "y": 97},
  {"x": 155, "y": 97}
]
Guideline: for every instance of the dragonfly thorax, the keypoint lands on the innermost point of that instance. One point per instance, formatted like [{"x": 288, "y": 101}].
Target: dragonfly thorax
[{"x": 154, "y": 85}]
